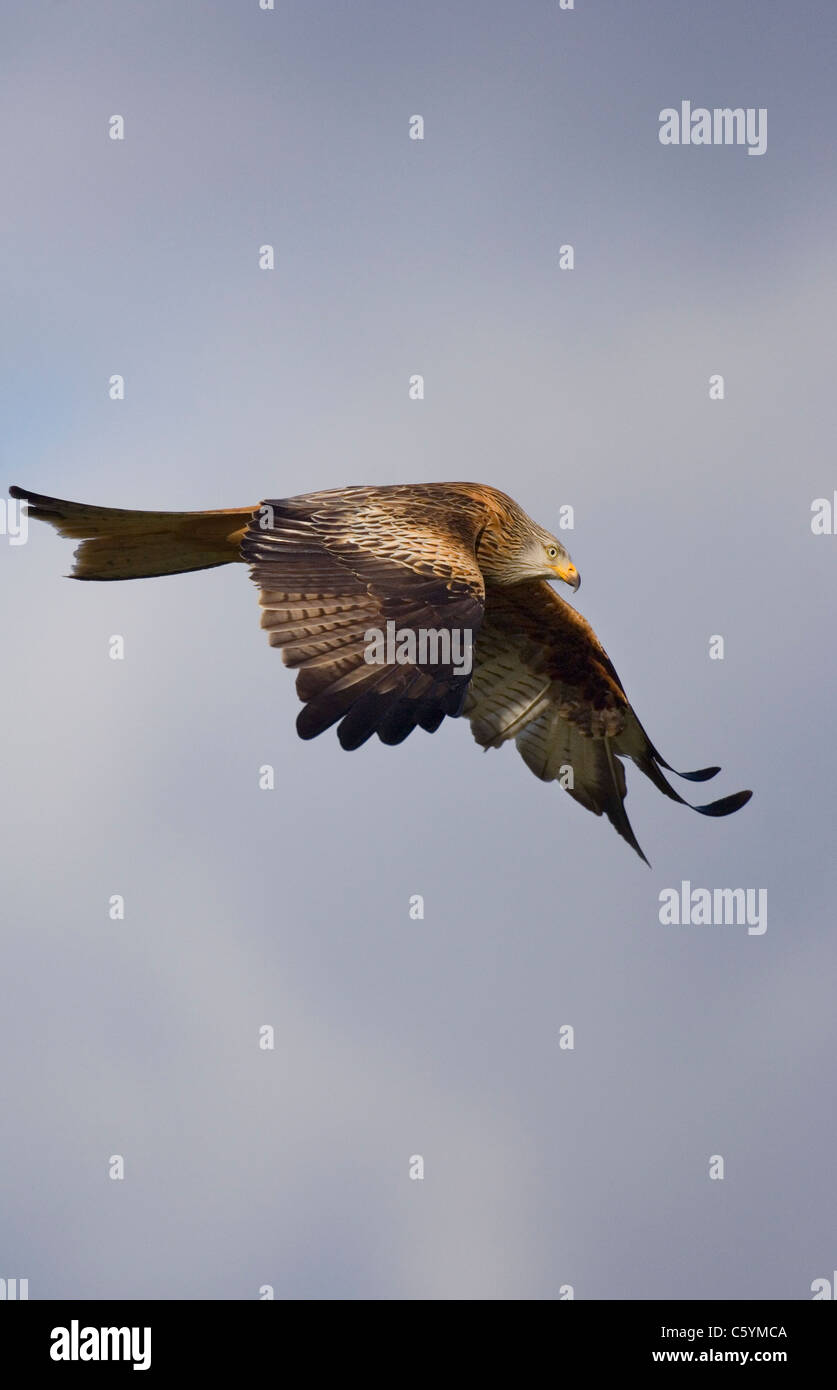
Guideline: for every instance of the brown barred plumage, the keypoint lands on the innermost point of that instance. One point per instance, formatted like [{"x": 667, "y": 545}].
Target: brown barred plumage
[{"x": 450, "y": 558}]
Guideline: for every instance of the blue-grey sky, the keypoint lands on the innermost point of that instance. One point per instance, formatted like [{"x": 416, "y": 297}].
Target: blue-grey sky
[{"x": 544, "y": 1167}]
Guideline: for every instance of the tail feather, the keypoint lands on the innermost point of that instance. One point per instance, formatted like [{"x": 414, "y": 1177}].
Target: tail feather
[{"x": 123, "y": 544}]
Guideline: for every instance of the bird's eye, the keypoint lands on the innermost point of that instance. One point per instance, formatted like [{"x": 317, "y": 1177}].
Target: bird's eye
[{"x": 552, "y": 552}]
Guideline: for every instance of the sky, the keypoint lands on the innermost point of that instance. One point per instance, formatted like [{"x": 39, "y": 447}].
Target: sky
[{"x": 547, "y": 1170}]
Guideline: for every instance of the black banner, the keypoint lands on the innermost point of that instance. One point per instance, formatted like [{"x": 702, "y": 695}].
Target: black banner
[{"x": 211, "y": 1338}]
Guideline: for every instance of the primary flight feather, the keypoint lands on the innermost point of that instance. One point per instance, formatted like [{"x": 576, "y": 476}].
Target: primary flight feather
[{"x": 445, "y": 558}]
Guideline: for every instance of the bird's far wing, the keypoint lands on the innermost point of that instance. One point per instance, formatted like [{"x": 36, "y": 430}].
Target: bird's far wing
[
  {"x": 334, "y": 567},
  {"x": 542, "y": 678}
]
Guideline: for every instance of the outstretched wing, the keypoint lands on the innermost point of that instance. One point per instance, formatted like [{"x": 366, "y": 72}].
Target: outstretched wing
[
  {"x": 333, "y": 566},
  {"x": 542, "y": 678}
]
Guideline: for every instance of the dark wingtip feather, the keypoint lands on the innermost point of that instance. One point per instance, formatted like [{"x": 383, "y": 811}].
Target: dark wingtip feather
[
  {"x": 314, "y": 719},
  {"x": 353, "y": 738},
  {"x": 431, "y": 720},
  {"x": 641, "y": 854},
  {"x": 614, "y": 808},
  {"x": 398, "y": 723},
  {"x": 700, "y": 774},
  {"x": 726, "y": 805},
  {"x": 623, "y": 827}
]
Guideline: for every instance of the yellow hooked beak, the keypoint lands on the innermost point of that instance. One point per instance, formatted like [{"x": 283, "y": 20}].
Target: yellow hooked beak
[{"x": 568, "y": 573}]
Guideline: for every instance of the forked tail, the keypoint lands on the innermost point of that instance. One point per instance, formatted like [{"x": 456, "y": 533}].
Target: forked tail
[{"x": 121, "y": 544}]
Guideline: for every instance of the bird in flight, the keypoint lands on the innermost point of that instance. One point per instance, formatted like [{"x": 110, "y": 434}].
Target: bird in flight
[{"x": 400, "y": 605}]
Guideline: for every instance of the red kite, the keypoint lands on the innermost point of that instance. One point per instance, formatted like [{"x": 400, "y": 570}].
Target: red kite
[{"x": 453, "y": 560}]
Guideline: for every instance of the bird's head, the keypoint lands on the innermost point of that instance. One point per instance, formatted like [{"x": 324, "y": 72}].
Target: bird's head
[
  {"x": 557, "y": 563},
  {"x": 513, "y": 548},
  {"x": 536, "y": 555},
  {"x": 542, "y": 556}
]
